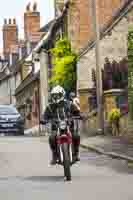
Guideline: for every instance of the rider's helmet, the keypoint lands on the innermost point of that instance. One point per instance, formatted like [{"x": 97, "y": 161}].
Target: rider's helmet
[{"x": 57, "y": 94}]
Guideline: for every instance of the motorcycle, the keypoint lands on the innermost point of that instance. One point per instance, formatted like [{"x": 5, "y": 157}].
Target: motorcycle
[{"x": 65, "y": 150}]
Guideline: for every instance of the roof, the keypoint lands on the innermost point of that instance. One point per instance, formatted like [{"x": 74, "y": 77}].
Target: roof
[
  {"x": 118, "y": 15},
  {"x": 54, "y": 26},
  {"x": 46, "y": 27},
  {"x": 4, "y": 76}
]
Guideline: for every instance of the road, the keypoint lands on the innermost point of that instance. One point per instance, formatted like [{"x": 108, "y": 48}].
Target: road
[{"x": 25, "y": 174}]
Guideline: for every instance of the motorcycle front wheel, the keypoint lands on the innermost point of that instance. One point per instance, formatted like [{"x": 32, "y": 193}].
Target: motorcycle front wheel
[{"x": 66, "y": 161}]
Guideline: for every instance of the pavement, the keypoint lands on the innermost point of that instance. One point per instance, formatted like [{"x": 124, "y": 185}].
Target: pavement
[
  {"x": 25, "y": 174},
  {"x": 115, "y": 147}
]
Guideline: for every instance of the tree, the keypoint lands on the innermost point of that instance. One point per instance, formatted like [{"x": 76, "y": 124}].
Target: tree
[
  {"x": 64, "y": 65},
  {"x": 130, "y": 71}
]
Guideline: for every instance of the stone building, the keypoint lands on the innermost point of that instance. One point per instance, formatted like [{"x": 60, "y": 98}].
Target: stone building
[
  {"x": 80, "y": 22},
  {"x": 27, "y": 97},
  {"x": 5, "y": 87},
  {"x": 32, "y": 92},
  {"x": 15, "y": 50},
  {"x": 113, "y": 47}
]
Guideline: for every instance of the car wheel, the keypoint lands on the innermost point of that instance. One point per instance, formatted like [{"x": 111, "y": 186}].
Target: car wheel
[{"x": 21, "y": 132}]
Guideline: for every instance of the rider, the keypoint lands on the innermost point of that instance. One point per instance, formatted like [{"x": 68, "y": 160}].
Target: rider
[{"x": 63, "y": 106}]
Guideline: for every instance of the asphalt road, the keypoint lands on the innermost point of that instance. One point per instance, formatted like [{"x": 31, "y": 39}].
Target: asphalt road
[{"x": 25, "y": 174}]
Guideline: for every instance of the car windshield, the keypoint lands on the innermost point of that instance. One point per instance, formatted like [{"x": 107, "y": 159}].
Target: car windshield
[{"x": 8, "y": 110}]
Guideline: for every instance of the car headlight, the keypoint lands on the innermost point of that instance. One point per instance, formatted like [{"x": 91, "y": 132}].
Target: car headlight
[
  {"x": 20, "y": 120},
  {"x": 2, "y": 119}
]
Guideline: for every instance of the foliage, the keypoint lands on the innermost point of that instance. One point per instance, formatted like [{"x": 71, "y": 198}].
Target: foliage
[
  {"x": 64, "y": 65},
  {"x": 114, "y": 115},
  {"x": 130, "y": 71}
]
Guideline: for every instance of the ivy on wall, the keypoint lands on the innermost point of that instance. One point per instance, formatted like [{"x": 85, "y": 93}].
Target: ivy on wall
[{"x": 64, "y": 65}]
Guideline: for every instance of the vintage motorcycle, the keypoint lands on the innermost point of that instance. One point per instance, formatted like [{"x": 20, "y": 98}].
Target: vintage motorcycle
[{"x": 65, "y": 150}]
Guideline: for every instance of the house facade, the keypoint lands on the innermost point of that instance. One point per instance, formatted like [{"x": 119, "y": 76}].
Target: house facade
[
  {"x": 113, "y": 46},
  {"x": 33, "y": 91},
  {"x": 15, "y": 51},
  {"x": 113, "y": 56}
]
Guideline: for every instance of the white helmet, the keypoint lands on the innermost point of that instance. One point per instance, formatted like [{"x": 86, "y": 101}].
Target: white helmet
[{"x": 57, "y": 94}]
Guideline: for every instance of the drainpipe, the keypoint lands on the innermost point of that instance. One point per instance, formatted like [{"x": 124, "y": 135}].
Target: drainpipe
[
  {"x": 43, "y": 79},
  {"x": 99, "y": 88}
]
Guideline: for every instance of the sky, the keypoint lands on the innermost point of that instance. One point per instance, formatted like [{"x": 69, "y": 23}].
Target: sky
[{"x": 16, "y": 8}]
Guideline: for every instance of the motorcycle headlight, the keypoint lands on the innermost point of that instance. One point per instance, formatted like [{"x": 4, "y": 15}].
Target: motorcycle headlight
[{"x": 63, "y": 125}]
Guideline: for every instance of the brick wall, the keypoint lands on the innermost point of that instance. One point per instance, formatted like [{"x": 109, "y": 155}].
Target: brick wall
[
  {"x": 31, "y": 21},
  {"x": 10, "y": 35},
  {"x": 80, "y": 18}
]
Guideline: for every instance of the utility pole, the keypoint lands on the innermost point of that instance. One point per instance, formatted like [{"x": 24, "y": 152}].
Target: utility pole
[{"x": 99, "y": 88}]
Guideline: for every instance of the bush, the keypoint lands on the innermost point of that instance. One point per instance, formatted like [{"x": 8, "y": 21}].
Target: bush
[{"x": 114, "y": 115}]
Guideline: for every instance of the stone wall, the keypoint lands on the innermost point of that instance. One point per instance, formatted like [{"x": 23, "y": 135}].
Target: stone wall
[
  {"x": 90, "y": 126},
  {"x": 114, "y": 47},
  {"x": 28, "y": 105}
]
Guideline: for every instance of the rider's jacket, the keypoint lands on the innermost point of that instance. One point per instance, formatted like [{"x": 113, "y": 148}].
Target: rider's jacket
[{"x": 61, "y": 110}]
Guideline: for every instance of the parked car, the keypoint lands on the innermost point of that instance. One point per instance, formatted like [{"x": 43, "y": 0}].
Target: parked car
[{"x": 11, "y": 122}]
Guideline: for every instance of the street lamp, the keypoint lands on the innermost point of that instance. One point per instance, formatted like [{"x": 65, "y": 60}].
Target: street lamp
[{"x": 99, "y": 89}]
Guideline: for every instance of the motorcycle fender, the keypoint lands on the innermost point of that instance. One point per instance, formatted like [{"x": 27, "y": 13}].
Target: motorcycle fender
[{"x": 70, "y": 152}]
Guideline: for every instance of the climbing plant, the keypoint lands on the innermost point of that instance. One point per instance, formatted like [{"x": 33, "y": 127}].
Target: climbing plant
[{"x": 64, "y": 65}]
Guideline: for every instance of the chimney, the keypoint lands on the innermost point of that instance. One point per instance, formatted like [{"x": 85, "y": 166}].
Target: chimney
[
  {"x": 14, "y": 21},
  {"x": 35, "y": 7},
  {"x": 5, "y": 21},
  {"x": 10, "y": 21},
  {"x": 10, "y": 35},
  {"x": 31, "y": 20}
]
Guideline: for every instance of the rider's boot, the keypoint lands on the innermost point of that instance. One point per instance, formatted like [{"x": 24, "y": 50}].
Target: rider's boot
[
  {"x": 77, "y": 157},
  {"x": 52, "y": 143},
  {"x": 76, "y": 149}
]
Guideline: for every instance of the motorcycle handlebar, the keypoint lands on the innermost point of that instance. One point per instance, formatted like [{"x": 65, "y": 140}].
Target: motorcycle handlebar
[{"x": 57, "y": 121}]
